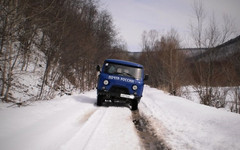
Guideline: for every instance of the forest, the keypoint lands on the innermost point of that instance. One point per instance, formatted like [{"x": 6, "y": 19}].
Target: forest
[{"x": 73, "y": 35}]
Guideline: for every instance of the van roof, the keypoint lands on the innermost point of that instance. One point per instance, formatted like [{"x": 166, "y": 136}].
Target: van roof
[{"x": 123, "y": 62}]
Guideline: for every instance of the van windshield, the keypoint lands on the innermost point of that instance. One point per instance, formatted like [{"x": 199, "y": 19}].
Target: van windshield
[{"x": 123, "y": 70}]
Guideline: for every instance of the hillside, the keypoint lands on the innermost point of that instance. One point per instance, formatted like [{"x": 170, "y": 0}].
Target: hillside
[
  {"x": 54, "y": 43},
  {"x": 221, "y": 52}
]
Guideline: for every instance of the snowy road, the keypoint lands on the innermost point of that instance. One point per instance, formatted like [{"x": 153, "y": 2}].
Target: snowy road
[
  {"x": 75, "y": 122},
  {"x": 67, "y": 123}
]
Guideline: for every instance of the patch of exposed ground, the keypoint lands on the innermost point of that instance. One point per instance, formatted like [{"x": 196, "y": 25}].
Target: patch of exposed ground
[{"x": 147, "y": 134}]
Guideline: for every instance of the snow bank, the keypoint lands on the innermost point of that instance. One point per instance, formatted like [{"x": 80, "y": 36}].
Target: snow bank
[
  {"x": 187, "y": 125},
  {"x": 225, "y": 95}
]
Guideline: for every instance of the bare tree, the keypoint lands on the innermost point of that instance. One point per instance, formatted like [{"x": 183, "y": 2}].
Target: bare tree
[
  {"x": 163, "y": 60},
  {"x": 11, "y": 18},
  {"x": 198, "y": 26},
  {"x": 208, "y": 35}
]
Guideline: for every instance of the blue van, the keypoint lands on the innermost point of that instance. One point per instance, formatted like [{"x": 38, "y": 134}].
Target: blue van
[{"x": 120, "y": 81}]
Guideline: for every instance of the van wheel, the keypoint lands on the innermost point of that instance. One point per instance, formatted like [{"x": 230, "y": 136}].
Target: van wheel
[
  {"x": 99, "y": 100},
  {"x": 134, "y": 104}
]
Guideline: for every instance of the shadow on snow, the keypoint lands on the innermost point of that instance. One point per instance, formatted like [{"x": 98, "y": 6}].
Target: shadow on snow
[{"x": 84, "y": 99}]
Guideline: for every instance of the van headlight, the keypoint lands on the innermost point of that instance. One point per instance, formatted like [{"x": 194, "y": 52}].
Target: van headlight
[
  {"x": 105, "y": 82},
  {"x": 134, "y": 87}
]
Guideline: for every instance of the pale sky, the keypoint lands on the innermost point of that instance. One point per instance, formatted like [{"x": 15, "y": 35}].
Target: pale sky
[{"x": 132, "y": 17}]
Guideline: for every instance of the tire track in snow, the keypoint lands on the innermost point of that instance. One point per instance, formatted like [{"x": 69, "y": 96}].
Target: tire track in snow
[
  {"x": 50, "y": 130},
  {"x": 81, "y": 139},
  {"x": 86, "y": 116},
  {"x": 96, "y": 121}
]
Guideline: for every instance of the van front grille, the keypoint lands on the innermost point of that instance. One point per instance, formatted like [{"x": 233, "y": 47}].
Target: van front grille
[{"x": 117, "y": 89}]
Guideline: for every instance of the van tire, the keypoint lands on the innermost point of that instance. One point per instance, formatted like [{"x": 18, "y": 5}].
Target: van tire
[
  {"x": 99, "y": 100},
  {"x": 134, "y": 104}
]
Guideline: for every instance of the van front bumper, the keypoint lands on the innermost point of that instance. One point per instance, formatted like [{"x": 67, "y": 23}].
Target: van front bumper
[{"x": 113, "y": 95}]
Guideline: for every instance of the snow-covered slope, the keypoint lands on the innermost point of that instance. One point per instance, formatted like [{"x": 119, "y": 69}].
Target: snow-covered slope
[
  {"x": 27, "y": 80},
  {"x": 184, "y": 124},
  {"x": 74, "y": 122}
]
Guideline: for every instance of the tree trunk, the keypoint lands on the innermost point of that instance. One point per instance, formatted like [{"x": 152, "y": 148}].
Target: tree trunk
[{"x": 44, "y": 80}]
